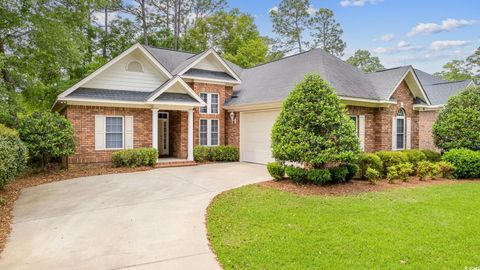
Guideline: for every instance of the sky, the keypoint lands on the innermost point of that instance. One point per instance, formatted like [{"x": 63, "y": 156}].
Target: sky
[{"x": 422, "y": 33}]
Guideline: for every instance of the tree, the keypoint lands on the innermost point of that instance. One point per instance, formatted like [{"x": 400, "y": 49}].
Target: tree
[
  {"x": 106, "y": 7},
  {"x": 455, "y": 70},
  {"x": 47, "y": 135},
  {"x": 327, "y": 32},
  {"x": 139, "y": 10},
  {"x": 313, "y": 128},
  {"x": 123, "y": 34},
  {"x": 363, "y": 60},
  {"x": 458, "y": 124},
  {"x": 13, "y": 155},
  {"x": 290, "y": 20},
  {"x": 232, "y": 34}
]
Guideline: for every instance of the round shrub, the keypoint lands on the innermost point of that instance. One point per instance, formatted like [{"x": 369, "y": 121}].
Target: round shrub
[
  {"x": 313, "y": 128},
  {"x": 369, "y": 160},
  {"x": 465, "y": 161},
  {"x": 352, "y": 171},
  {"x": 423, "y": 169},
  {"x": 432, "y": 156},
  {"x": 296, "y": 174},
  {"x": 391, "y": 158},
  {"x": 446, "y": 169},
  {"x": 372, "y": 175},
  {"x": 47, "y": 135},
  {"x": 319, "y": 176},
  {"x": 276, "y": 170},
  {"x": 339, "y": 174},
  {"x": 458, "y": 124},
  {"x": 405, "y": 170},
  {"x": 415, "y": 156},
  {"x": 13, "y": 155},
  {"x": 135, "y": 157},
  {"x": 200, "y": 153},
  {"x": 225, "y": 153}
]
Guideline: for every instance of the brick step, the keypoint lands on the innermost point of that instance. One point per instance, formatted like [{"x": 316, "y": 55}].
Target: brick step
[{"x": 175, "y": 164}]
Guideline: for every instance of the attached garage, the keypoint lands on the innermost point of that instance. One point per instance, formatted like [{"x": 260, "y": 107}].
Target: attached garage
[{"x": 255, "y": 131}]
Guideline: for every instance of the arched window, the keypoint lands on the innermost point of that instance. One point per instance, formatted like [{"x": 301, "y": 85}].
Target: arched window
[
  {"x": 400, "y": 129},
  {"x": 134, "y": 66}
]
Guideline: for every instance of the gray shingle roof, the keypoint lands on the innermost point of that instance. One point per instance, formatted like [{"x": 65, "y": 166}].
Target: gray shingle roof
[
  {"x": 106, "y": 94},
  {"x": 440, "y": 93},
  {"x": 176, "y": 97},
  {"x": 209, "y": 74},
  {"x": 384, "y": 81},
  {"x": 168, "y": 58}
]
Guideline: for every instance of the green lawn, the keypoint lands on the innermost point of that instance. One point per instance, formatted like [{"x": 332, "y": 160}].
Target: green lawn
[{"x": 435, "y": 227}]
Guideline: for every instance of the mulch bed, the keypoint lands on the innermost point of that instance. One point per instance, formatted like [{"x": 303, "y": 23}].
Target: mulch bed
[
  {"x": 11, "y": 192},
  {"x": 352, "y": 187}
]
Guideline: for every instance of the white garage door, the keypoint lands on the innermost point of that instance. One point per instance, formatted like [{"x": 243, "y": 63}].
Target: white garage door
[{"x": 255, "y": 131}]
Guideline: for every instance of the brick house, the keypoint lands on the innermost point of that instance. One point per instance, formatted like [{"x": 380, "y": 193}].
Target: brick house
[{"x": 172, "y": 101}]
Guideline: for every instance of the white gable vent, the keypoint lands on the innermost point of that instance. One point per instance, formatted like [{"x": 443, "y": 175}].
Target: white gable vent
[{"x": 134, "y": 66}]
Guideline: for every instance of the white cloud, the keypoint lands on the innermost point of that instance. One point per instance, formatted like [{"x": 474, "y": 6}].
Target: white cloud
[
  {"x": 358, "y": 3},
  {"x": 275, "y": 8},
  {"x": 447, "y": 44},
  {"x": 99, "y": 17},
  {"x": 433, "y": 28},
  {"x": 401, "y": 46},
  {"x": 311, "y": 10},
  {"x": 387, "y": 37}
]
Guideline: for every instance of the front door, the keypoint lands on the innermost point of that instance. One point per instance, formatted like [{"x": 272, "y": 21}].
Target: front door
[{"x": 163, "y": 134}]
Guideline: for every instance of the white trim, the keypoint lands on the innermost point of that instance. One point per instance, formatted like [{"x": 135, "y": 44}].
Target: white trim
[
  {"x": 123, "y": 131},
  {"x": 190, "y": 136},
  {"x": 113, "y": 61},
  {"x": 166, "y": 120},
  {"x": 410, "y": 69},
  {"x": 209, "y": 131},
  {"x": 170, "y": 84},
  {"x": 419, "y": 107},
  {"x": 361, "y": 130},
  {"x": 155, "y": 128},
  {"x": 205, "y": 54},
  {"x": 209, "y": 80},
  {"x": 209, "y": 103},
  {"x": 395, "y": 133}
]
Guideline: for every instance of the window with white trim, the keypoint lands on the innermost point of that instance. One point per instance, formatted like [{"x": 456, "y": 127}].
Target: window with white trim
[
  {"x": 212, "y": 101},
  {"x": 400, "y": 131},
  {"x": 209, "y": 132},
  {"x": 113, "y": 132},
  {"x": 354, "y": 118}
]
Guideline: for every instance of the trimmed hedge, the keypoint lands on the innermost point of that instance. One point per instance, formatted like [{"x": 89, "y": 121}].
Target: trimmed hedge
[
  {"x": 372, "y": 175},
  {"x": 391, "y": 158},
  {"x": 13, "y": 155},
  {"x": 415, "y": 156},
  {"x": 225, "y": 153},
  {"x": 369, "y": 160},
  {"x": 352, "y": 171},
  {"x": 465, "y": 161},
  {"x": 339, "y": 174},
  {"x": 135, "y": 157},
  {"x": 432, "y": 156},
  {"x": 296, "y": 174},
  {"x": 276, "y": 170},
  {"x": 319, "y": 176}
]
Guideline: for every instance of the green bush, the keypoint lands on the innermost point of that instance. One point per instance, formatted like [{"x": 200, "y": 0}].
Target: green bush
[
  {"x": 465, "y": 161},
  {"x": 352, "y": 171},
  {"x": 369, "y": 160},
  {"x": 458, "y": 124},
  {"x": 405, "y": 170},
  {"x": 319, "y": 176},
  {"x": 423, "y": 169},
  {"x": 392, "y": 174},
  {"x": 338, "y": 174},
  {"x": 296, "y": 174},
  {"x": 434, "y": 171},
  {"x": 432, "y": 156},
  {"x": 372, "y": 175},
  {"x": 313, "y": 128},
  {"x": 391, "y": 158},
  {"x": 201, "y": 153},
  {"x": 135, "y": 157},
  {"x": 414, "y": 156},
  {"x": 276, "y": 170},
  {"x": 47, "y": 135},
  {"x": 13, "y": 155},
  {"x": 446, "y": 169},
  {"x": 226, "y": 153}
]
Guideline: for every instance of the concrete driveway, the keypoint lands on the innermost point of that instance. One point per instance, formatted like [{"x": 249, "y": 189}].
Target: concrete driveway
[{"x": 143, "y": 220}]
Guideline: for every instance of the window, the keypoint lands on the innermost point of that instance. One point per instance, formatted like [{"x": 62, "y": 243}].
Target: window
[
  {"x": 400, "y": 132},
  {"x": 114, "y": 132},
  {"x": 209, "y": 131},
  {"x": 354, "y": 118},
  {"x": 212, "y": 101},
  {"x": 134, "y": 66}
]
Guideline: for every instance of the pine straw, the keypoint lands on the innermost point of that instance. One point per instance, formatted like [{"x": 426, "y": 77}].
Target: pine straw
[{"x": 12, "y": 191}]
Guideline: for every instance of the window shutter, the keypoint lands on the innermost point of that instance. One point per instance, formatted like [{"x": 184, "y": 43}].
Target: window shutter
[
  {"x": 361, "y": 131},
  {"x": 99, "y": 132},
  {"x": 128, "y": 132},
  {"x": 409, "y": 133},
  {"x": 394, "y": 133}
]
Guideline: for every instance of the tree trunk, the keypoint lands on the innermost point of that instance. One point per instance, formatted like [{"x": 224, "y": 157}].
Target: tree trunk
[
  {"x": 105, "y": 34},
  {"x": 144, "y": 22}
]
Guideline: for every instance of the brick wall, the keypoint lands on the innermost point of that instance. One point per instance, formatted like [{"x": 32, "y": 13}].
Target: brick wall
[
  {"x": 370, "y": 124},
  {"x": 426, "y": 121},
  {"x": 83, "y": 120}
]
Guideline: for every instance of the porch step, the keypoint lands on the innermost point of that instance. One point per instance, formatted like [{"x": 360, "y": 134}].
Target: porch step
[{"x": 170, "y": 164}]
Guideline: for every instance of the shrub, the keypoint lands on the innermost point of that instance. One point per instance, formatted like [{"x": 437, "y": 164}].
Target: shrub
[
  {"x": 201, "y": 153},
  {"x": 434, "y": 171},
  {"x": 319, "y": 176},
  {"x": 369, "y": 160},
  {"x": 296, "y": 174},
  {"x": 392, "y": 174},
  {"x": 423, "y": 170},
  {"x": 47, "y": 135},
  {"x": 339, "y": 174},
  {"x": 276, "y": 170},
  {"x": 466, "y": 162},
  {"x": 446, "y": 169},
  {"x": 432, "y": 156},
  {"x": 226, "y": 153},
  {"x": 405, "y": 170},
  {"x": 352, "y": 171},
  {"x": 313, "y": 128},
  {"x": 458, "y": 124},
  {"x": 135, "y": 157},
  {"x": 13, "y": 155},
  {"x": 414, "y": 156},
  {"x": 372, "y": 175},
  {"x": 391, "y": 158}
]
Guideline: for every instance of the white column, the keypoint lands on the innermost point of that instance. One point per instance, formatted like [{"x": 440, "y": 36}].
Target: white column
[
  {"x": 155, "y": 128},
  {"x": 190, "y": 135}
]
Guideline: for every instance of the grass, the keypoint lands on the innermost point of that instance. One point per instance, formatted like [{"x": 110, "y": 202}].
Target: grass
[{"x": 435, "y": 227}]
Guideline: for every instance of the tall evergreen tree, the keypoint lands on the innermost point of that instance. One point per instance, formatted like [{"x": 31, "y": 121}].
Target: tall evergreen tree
[
  {"x": 327, "y": 32},
  {"x": 363, "y": 60}
]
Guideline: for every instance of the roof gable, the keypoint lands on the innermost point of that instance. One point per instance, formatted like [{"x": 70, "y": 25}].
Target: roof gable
[{"x": 175, "y": 86}]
